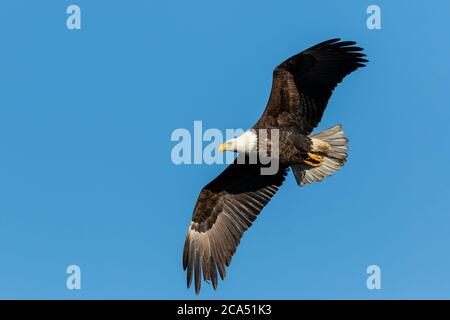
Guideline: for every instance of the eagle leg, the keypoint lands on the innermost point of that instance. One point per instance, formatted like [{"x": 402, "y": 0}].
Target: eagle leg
[{"x": 313, "y": 160}]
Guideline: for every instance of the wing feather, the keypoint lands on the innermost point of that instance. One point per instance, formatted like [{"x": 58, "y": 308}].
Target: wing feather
[
  {"x": 225, "y": 209},
  {"x": 303, "y": 84}
]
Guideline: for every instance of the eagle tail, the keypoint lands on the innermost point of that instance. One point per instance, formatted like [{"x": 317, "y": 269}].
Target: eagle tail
[{"x": 329, "y": 149}]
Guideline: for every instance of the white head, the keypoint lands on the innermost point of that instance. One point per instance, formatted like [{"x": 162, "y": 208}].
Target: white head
[{"x": 245, "y": 143}]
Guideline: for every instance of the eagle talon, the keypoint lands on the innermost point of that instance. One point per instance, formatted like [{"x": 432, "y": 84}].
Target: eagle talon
[
  {"x": 316, "y": 160},
  {"x": 315, "y": 157}
]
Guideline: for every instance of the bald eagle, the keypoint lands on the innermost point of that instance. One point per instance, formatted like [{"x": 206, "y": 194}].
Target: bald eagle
[{"x": 229, "y": 204}]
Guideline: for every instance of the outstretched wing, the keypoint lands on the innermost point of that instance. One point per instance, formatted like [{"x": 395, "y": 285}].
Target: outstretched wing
[
  {"x": 303, "y": 84},
  {"x": 225, "y": 209}
]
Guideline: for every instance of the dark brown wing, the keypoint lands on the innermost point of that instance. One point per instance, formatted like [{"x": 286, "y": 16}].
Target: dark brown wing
[
  {"x": 225, "y": 209},
  {"x": 303, "y": 84}
]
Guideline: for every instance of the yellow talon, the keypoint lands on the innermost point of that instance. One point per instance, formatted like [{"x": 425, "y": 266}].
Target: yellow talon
[
  {"x": 316, "y": 160},
  {"x": 315, "y": 156},
  {"x": 312, "y": 164}
]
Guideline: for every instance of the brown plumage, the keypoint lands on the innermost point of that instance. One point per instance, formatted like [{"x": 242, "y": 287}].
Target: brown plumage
[
  {"x": 225, "y": 209},
  {"x": 303, "y": 84},
  {"x": 228, "y": 205}
]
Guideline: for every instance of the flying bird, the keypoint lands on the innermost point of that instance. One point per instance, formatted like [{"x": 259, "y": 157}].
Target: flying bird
[{"x": 228, "y": 205}]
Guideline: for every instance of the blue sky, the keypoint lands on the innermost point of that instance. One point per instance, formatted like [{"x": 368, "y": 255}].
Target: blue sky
[{"x": 86, "y": 176}]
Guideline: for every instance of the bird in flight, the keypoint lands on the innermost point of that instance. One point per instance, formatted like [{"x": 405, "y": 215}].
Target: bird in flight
[{"x": 228, "y": 205}]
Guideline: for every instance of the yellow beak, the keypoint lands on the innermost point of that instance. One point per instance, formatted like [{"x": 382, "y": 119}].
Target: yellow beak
[{"x": 222, "y": 147}]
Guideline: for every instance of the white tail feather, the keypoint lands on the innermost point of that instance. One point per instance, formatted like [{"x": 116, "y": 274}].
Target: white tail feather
[{"x": 332, "y": 146}]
